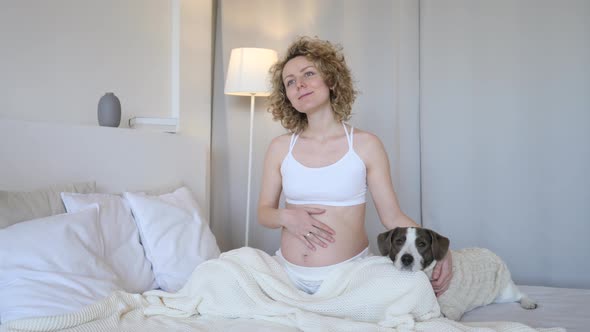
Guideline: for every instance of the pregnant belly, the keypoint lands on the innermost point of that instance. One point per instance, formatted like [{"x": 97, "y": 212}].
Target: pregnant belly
[{"x": 349, "y": 240}]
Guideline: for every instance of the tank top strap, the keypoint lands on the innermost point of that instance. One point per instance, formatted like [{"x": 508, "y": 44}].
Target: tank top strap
[
  {"x": 348, "y": 136},
  {"x": 293, "y": 140}
]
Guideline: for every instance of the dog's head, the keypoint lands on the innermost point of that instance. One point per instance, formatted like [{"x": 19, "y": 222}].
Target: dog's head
[{"x": 412, "y": 249}]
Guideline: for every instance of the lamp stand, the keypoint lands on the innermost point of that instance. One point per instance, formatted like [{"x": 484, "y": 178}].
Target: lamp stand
[{"x": 246, "y": 236}]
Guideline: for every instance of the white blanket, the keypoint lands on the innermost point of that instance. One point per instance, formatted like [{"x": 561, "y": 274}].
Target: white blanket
[
  {"x": 249, "y": 283},
  {"x": 367, "y": 295}
]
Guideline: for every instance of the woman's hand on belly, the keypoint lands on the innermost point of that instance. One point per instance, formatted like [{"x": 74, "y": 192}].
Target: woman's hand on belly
[
  {"x": 300, "y": 222},
  {"x": 349, "y": 236}
]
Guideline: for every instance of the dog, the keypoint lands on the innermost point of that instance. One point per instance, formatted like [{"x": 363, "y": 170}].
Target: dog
[{"x": 480, "y": 277}]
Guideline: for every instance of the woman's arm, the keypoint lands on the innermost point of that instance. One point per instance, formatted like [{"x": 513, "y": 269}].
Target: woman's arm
[
  {"x": 297, "y": 221},
  {"x": 387, "y": 205},
  {"x": 269, "y": 214},
  {"x": 379, "y": 182}
]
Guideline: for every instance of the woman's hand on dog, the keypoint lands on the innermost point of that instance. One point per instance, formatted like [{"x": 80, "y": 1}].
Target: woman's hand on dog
[
  {"x": 442, "y": 274},
  {"x": 308, "y": 229}
]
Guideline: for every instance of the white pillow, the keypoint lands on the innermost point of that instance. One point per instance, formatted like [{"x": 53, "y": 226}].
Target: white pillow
[
  {"x": 123, "y": 251},
  {"x": 52, "y": 266},
  {"x": 175, "y": 237}
]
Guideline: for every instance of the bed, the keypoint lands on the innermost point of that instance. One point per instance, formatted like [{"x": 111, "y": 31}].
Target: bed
[{"x": 143, "y": 169}]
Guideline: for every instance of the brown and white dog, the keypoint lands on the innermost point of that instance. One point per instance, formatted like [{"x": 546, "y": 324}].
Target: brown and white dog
[{"x": 479, "y": 276}]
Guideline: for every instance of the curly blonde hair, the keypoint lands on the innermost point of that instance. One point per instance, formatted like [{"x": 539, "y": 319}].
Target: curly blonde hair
[{"x": 329, "y": 61}]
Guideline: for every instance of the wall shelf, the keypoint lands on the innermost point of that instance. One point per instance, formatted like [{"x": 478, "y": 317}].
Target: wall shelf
[{"x": 168, "y": 125}]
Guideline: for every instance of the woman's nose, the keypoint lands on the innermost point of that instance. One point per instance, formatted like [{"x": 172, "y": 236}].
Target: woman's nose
[{"x": 300, "y": 84}]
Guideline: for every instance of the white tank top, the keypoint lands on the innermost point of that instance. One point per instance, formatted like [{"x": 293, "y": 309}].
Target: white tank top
[{"x": 343, "y": 183}]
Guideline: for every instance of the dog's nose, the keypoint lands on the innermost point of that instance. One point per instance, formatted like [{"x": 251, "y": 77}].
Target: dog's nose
[{"x": 407, "y": 259}]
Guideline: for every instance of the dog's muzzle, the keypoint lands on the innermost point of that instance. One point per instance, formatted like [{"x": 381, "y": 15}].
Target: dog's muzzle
[{"x": 407, "y": 260}]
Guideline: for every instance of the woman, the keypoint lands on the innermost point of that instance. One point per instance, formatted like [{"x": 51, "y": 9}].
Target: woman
[{"x": 324, "y": 168}]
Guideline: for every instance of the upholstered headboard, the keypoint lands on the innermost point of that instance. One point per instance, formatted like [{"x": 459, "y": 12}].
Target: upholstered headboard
[{"x": 34, "y": 155}]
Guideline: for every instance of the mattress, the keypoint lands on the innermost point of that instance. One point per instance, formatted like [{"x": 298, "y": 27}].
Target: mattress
[{"x": 558, "y": 307}]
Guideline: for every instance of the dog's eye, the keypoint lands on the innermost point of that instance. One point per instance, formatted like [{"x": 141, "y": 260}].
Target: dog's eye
[
  {"x": 421, "y": 244},
  {"x": 399, "y": 242}
]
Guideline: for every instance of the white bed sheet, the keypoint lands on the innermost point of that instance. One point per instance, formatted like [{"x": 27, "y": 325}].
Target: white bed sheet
[{"x": 558, "y": 307}]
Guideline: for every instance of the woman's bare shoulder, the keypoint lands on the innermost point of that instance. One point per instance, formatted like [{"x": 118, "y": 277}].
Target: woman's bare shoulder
[
  {"x": 279, "y": 146},
  {"x": 366, "y": 140},
  {"x": 369, "y": 147},
  {"x": 281, "y": 141}
]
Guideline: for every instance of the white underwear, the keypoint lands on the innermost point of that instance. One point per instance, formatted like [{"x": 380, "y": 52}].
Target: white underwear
[{"x": 309, "y": 279}]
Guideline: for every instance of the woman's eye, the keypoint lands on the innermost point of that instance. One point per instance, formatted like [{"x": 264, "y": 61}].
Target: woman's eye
[
  {"x": 309, "y": 73},
  {"x": 289, "y": 82}
]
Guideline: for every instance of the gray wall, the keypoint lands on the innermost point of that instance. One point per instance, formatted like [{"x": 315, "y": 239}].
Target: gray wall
[{"x": 505, "y": 114}]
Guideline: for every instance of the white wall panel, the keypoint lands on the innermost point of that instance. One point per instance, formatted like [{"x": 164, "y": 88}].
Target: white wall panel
[{"x": 59, "y": 57}]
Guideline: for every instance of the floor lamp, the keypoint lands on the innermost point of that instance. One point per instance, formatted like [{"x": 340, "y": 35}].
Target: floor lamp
[{"x": 247, "y": 75}]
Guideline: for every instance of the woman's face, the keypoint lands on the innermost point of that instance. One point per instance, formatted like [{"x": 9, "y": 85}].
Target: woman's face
[{"x": 305, "y": 86}]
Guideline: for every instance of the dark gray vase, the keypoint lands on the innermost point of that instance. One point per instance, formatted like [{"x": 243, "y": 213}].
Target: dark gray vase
[{"x": 109, "y": 110}]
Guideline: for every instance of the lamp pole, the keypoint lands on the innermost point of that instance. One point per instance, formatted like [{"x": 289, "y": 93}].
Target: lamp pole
[
  {"x": 247, "y": 236},
  {"x": 247, "y": 76}
]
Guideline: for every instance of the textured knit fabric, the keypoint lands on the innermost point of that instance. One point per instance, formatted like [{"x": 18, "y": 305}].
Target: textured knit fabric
[
  {"x": 343, "y": 183},
  {"x": 479, "y": 276},
  {"x": 250, "y": 283},
  {"x": 247, "y": 290}
]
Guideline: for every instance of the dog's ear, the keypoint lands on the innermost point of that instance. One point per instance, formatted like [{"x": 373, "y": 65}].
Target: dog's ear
[
  {"x": 384, "y": 242},
  {"x": 440, "y": 245}
]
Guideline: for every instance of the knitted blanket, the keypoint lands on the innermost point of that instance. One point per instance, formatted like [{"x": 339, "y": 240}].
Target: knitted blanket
[
  {"x": 247, "y": 282},
  {"x": 249, "y": 285},
  {"x": 366, "y": 295}
]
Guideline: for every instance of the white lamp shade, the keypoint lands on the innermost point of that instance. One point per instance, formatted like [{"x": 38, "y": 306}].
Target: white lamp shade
[{"x": 247, "y": 73}]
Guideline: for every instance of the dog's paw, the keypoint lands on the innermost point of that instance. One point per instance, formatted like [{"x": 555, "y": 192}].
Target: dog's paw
[{"x": 527, "y": 303}]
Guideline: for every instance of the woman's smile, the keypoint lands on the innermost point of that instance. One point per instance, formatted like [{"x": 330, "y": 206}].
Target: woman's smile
[{"x": 305, "y": 95}]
